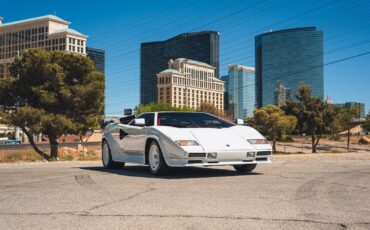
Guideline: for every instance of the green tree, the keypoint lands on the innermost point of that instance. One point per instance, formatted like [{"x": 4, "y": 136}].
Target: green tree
[
  {"x": 347, "y": 116},
  {"x": 156, "y": 107},
  {"x": 273, "y": 122},
  {"x": 210, "y": 108},
  {"x": 315, "y": 117},
  {"x": 53, "y": 93},
  {"x": 207, "y": 107}
]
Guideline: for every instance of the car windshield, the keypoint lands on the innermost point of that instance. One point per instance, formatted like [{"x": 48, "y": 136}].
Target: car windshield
[{"x": 191, "y": 120}]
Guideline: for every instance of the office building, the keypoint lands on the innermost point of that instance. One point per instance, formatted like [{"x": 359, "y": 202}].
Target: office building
[
  {"x": 98, "y": 57},
  {"x": 225, "y": 79},
  {"x": 46, "y": 32},
  {"x": 198, "y": 46},
  {"x": 281, "y": 94},
  {"x": 241, "y": 91},
  {"x": 347, "y": 105},
  {"x": 189, "y": 83},
  {"x": 291, "y": 56}
]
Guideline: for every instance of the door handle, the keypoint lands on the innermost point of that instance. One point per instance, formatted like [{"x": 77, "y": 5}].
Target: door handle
[{"x": 122, "y": 134}]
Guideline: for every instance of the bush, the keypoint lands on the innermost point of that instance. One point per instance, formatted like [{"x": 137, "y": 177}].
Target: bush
[
  {"x": 335, "y": 138},
  {"x": 286, "y": 138}
]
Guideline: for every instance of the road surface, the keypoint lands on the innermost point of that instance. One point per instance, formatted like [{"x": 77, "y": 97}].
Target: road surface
[{"x": 283, "y": 195}]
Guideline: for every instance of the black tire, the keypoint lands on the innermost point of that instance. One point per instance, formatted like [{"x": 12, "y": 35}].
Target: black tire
[
  {"x": 162, "y": 167},
  {"x": 245, "y": 168},
  {"x": 110, "y": 164}
]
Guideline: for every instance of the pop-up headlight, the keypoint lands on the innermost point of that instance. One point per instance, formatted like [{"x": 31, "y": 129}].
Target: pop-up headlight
[
  {"x": 258, "y": 141},
  {"x": 187, "y": 143}
]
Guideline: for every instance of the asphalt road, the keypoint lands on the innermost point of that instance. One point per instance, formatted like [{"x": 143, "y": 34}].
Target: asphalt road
[{"x": 282, "y": 195}]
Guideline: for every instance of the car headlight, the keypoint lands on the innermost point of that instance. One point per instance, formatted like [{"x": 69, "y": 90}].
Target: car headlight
[
  {"x": 187, "y": 143},
  {"x": 257, "y": 141}
]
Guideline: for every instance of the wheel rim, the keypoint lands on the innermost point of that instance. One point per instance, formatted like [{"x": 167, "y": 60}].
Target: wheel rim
[
  {"x": 105, "y": 154},
  {"x": 154, "y": 157}
]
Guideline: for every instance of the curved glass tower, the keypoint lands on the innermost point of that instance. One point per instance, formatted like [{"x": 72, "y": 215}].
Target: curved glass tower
[{"x": 288, "y": 57}]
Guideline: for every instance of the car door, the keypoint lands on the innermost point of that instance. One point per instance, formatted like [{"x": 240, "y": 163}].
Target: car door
[{"x": 133, "y": 138}]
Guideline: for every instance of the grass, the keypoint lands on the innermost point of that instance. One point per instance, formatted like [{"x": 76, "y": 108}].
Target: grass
[
  {"x": 20, "y": 156},
  {"x": 32, "y": 156},
  {"x": 284, "y": 153},
  {"x": 337, "y": 151}
]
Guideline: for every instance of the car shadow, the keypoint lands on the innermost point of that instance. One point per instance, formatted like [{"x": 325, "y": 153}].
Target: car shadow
[{"x": 174, "y": 173}]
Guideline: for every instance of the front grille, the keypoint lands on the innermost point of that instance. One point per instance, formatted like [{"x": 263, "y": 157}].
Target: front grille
[
  {"x": 264, "y": 153},
  {"x": 194, "y": 161},
  {"x": 197, "y": 154},
  {"x": 261, "y": 159},
  {"x": 247, "y": 160}
]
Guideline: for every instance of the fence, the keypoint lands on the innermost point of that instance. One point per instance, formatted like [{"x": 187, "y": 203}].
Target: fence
[{"x": 297, "y": 147}]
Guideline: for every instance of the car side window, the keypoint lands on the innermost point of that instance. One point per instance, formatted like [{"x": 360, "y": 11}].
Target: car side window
[{"x": 149, "y": 119}]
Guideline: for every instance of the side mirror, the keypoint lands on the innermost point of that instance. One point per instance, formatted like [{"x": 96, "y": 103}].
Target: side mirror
[
  {"x": 239, "y": 122},
  {"x": 103, "y": 124},
  {"x": 140, "y": 121}
]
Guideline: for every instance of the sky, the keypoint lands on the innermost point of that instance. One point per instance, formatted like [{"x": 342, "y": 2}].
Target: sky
[{"x": 119, "y": 27}]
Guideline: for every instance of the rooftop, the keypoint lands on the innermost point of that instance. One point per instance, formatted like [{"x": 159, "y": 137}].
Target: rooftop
[
  {"x": 241, "y": 67},
  {"x": 68, "y": 30},
  {"x": 45, "y": 17},
  {"x": 189, "y": 34},
  {"x": 195, "y": 62},
  {"x": 311, "y": 28},
  {"x": 170, "y": 71}
]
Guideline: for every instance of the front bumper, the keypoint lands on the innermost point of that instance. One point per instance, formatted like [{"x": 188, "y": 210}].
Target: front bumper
[{"x": 223, "y": 158}]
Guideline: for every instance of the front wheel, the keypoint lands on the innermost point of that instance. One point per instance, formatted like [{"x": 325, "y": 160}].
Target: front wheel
[
  {"x": 157, "y": 163},
  {"x": 107, "y": 160},
  {"x": 245, "y": 168}
]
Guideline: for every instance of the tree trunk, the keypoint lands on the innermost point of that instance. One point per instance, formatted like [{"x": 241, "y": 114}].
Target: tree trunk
[
  {"x": 348, "y": 137},
  {"x": 317, "y": 141},
  {"x": 273, "y": 144},
  {"x": 33, "y": 144},
  {"x": 53, "y": 148},
  {"x": 313, "y": 143}
]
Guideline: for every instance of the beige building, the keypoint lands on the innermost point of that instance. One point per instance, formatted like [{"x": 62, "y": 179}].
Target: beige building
[
  {"x": 189, "y": 83},
  {"x": 47, "y": 32}
]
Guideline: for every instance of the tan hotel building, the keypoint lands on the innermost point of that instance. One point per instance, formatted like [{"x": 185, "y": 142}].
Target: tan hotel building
[
  {"x": 189, "y": 83},
  {"x": 47, "y": 32}
]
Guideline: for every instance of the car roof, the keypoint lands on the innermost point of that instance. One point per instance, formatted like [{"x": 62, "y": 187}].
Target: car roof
[{"x": 178, "y": 112}]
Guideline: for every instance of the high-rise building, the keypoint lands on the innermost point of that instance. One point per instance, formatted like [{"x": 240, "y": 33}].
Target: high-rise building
[
  {"x": 360, "y": 105},
  {"x": 46, "y": 32},
  {"x": 241, "y": 91},
  {"x": 98, "y": 57},
  {"x": 198, "y": 46},
  {"x": 291, "y": 56},
  {"x": 189, "y": 83},
  {"x": 225, "y": 79},
  {"x": 281, "y": 94},
  {"x": 347, "y": 105}
]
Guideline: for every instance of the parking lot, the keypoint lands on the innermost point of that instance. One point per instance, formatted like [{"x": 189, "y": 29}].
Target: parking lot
[{"x": 312, "y": 194}]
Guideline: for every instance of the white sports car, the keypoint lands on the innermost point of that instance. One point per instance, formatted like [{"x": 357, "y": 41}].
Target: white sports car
[{"x": 181, "y": 139}]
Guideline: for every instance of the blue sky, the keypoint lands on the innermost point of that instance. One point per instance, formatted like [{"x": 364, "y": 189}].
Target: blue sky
[{"x": 120, "y": 26}]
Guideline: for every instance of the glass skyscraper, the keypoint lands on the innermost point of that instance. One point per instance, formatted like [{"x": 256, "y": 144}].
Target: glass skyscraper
[
  {"x": 198, "y": 46},
  {"x": 291, "y": 57},
  {"x": 241, "y": 91},
  {"x": 98, "y": 57}
]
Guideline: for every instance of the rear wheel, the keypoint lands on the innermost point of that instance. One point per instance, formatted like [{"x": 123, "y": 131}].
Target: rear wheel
[
  {"x": 245, "y": 168},
  {"x": 107, "y": 160},
  {"x": 157, "y": 163}
]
